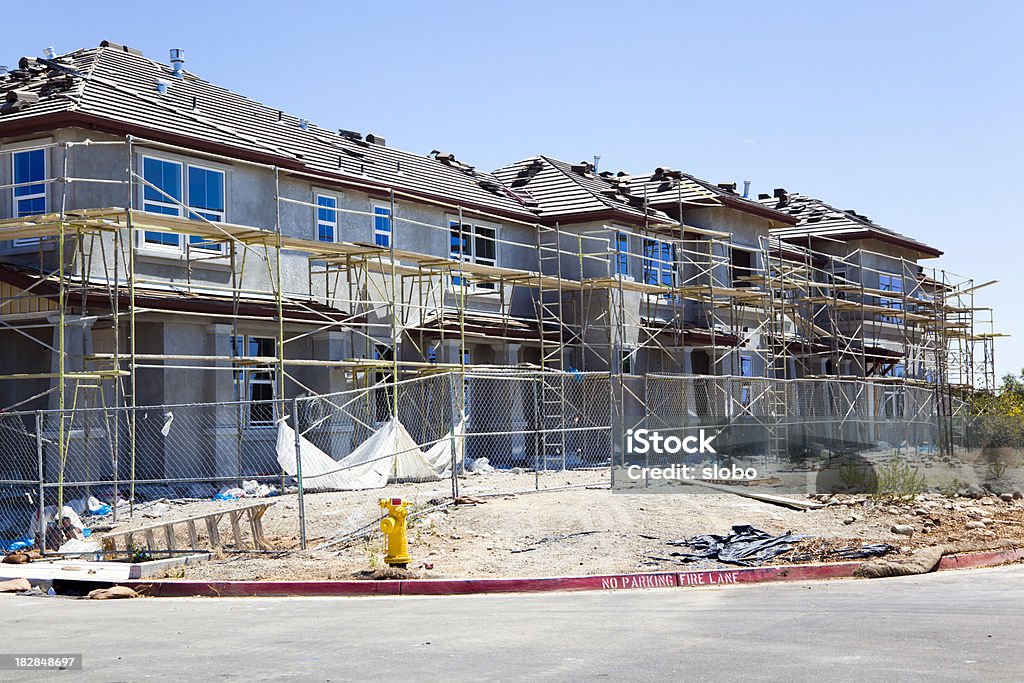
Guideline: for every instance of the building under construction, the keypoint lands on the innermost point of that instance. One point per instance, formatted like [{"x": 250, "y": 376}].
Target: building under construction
[{"x": 167, "y": 241}]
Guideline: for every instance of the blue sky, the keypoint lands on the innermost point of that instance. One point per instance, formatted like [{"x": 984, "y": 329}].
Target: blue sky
[{"x": 910, "y": 112}]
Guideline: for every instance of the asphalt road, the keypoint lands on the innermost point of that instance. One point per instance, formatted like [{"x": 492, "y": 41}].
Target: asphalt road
[{"x": 948, "y": 626}]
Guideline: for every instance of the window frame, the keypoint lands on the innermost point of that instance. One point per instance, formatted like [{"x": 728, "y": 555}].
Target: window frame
[
  {"x": 44, "y": 195},
  {"x": 657, "y": 264},
  {"x": 335, "y": 227},
  {"x": 195, "y": 213},
  {"x": 889, "y": 302},
  {"x": 390, "y": 232},
  {"x": 471, "y": 237},
  {"x": 255, "y": 375},
  {"x": 622, "y": 253}
]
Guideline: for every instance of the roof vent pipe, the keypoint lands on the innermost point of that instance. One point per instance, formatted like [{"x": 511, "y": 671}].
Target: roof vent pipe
[
  {"x": 177, "y": 61},
  {"x": 162, "y": 84},
  {"x": 597, "y": 160},
  {"x": 50, "y": 53},
  {"x": 746, "y": 189},
  {"x": 304, "y": 124}
]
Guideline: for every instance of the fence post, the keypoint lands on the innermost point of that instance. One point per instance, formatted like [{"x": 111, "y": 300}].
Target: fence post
[
  {"x": 40, "y": 525},
  {"x": 298, "y": 472},
  {"x": 456, "y": 418},
  {"x": 538, "y": 441}
]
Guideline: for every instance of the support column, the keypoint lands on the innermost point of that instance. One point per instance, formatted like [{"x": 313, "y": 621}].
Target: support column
[
  {"x": 335, "y": 433},
  {"x": 509, "y": 354},
  {"x": 227, "y": 424}
]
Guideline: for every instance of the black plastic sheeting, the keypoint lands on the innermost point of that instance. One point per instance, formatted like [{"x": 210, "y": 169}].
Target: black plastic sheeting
[
  {"x": 865, "y": 551},
  {"x": 746, "y": 546}
]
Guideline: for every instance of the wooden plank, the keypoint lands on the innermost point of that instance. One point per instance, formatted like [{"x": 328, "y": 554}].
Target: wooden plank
[
  {"x": 763, "y": 497},
  {"x": 236, "y": 529},
  {"x": 211, "y": 530}
]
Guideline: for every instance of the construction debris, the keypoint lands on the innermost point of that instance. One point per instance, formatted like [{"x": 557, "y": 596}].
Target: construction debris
[
  {"x": 921, "y": 562},
  {"x": 15, "y": 586},
  {"x": 112, "y": 593},
  {"x": 793, "y": 503},
  {"x": 865, "y": 551},
  {"x": 745, "y": 546}
]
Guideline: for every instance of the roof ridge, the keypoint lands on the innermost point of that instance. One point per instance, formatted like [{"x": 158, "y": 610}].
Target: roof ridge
[{"x": 578, "y": 184}]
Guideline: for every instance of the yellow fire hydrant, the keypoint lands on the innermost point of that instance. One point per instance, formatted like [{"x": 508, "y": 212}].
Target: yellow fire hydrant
[{"x": 394, "y": 528}]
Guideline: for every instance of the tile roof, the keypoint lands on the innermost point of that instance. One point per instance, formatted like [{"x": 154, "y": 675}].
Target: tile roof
[
  {"x": 559, "y": 188},
  {"x": 120, "y": 86},
  {"x": 668, "y": 187},
  {"x": 818, "y": 219}
]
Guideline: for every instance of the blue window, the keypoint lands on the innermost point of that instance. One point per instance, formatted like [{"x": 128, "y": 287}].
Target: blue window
[
  {"x": 382, "y": 226},
  {"x": 460, "y": 246},
  {"x": 746, "y": 370},
  {"x": 659, "y": 263},
  {"x": 326, "y": 218},
  {"x": 891, "y": 283},
  {"x": 622, "y": 257},
  {"x": 164, "y": 193},
  {"x": 205, "y": 200},
  {"x": 161, "y": 193},
  {"x": 206, "y": 194},
  {"x": 29, "y": 191},
  {"x": 474, "y": 243}
]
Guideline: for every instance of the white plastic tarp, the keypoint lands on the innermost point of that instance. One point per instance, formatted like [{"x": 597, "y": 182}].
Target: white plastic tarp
[{"x": 389, "y": 454}]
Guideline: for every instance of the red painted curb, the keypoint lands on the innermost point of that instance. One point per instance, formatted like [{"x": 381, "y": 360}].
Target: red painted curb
[
  {"x": 986, "y": 558},
  {"x": 687, "y": 579}
]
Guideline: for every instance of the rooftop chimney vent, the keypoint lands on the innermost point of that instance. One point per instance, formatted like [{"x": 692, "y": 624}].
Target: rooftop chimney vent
[
  {"x": 304, "y": 124},
  {"x": 50, "y": 53},
  {"x": 162, "y": 84},
  {"x": 177, "y": 62},
  {"x": 746, "y": 189}
]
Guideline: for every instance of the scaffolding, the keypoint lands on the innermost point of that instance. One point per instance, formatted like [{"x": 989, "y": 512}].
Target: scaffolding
[{"x": 800, "y": 312}]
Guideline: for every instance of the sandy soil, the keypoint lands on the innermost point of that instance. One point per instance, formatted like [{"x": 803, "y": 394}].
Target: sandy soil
[{"x": 586, "y": 529}]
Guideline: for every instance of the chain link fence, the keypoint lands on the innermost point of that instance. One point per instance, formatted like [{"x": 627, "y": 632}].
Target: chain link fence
[{"x": 523, "y": 429}]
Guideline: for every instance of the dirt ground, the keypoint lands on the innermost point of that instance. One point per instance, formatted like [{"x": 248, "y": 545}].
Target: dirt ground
[{"x": 575, "y": 526}]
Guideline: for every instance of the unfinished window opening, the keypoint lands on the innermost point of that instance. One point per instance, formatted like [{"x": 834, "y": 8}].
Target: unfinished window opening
[
  {"x": 626, "y": 361},
  {"x": 257, "y": 383},
  {"x": 742, "y": 263},
  {"x": 383, "y": 389}
]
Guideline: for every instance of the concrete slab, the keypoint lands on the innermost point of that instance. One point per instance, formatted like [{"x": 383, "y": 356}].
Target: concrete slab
[{"x": 46, "y": 571}]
